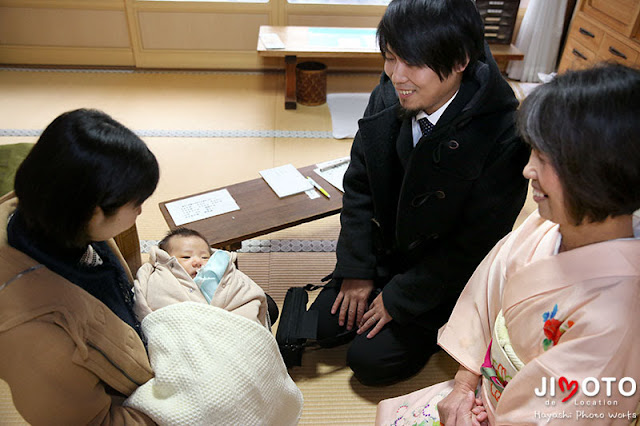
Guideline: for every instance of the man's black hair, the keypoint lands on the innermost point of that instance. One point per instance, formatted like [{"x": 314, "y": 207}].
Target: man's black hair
[{"x": 437, "y": 33}]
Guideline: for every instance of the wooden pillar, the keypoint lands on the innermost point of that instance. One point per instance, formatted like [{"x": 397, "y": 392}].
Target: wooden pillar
[{"x": 290, "y": 82}]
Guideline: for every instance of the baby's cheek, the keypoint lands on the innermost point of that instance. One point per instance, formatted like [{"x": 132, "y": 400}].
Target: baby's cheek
[{"x": 184, "y": 265}]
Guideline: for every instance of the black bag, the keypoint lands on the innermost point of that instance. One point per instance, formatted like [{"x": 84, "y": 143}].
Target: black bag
[{"x": 297, "y": 325}]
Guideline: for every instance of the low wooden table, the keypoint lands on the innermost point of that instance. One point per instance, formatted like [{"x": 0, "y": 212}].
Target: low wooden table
[
  {"x": 316, "y": 42},
  {"x": 261, "y": 211},
  {"x": 326, "y": 42}
]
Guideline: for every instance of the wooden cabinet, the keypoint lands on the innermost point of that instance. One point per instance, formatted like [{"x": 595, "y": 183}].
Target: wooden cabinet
[{"x": 603, "y": 30}]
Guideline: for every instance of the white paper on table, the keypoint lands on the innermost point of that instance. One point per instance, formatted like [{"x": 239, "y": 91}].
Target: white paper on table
[
  {"x": 201, "y": 206},
  {"x": 286, "y": 180},
  {"x": 271, "y": 41},
  {"x": 312, "y": 194},
  {"x": 333, "y": 171},
  {"x": 349, "y": 43}
]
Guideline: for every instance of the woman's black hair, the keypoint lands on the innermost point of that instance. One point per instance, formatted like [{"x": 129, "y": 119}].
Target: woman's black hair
[
  {"x": 440, "y": 34},
  {"x": 587, "y": 123},
  {"x": 179, "y": 232},
  {"x": 84, "y": 159}
]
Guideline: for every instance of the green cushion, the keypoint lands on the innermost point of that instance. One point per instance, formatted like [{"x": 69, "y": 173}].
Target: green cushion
[{"x": 10, "y": 158}]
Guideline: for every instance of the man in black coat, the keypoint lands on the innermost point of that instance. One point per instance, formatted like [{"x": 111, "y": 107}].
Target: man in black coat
[{"x": 424, "y": 202}]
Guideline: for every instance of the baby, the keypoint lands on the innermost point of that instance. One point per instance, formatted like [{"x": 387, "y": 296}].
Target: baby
[{"x": 184, "y": 268}]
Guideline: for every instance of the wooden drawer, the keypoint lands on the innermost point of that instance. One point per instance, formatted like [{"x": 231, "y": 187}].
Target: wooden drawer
[
  {"x": 498, "y": 33},
  {"x": 498, "y": 14},
  {"x": 499, "y": 17},
  {"x": 497, "y": 5},
  {"x": 613, "y": 49},
  {"x": 576, "y": 57},
  {"x": 586, "y": 33},
  {"x": 620, "y": 15}
]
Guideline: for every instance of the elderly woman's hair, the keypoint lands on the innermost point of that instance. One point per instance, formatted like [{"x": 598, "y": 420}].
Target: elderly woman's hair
[
  {"x": 84, "y": 159},
  {"x": 588, "y": 123},
  {"x": 179, "y": 232},
  {"x": 439, "y": 34}
]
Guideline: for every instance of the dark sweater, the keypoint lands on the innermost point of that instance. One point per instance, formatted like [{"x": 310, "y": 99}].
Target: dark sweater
[{"x": 107, "y": 282}]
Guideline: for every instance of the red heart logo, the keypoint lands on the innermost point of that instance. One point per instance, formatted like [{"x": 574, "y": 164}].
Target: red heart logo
[{"x": 571, "y": 385}]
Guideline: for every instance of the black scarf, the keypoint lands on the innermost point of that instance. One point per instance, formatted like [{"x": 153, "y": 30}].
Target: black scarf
[{"x": 107, "y": 282}]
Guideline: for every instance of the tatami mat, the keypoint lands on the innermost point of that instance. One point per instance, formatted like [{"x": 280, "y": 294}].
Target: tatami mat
[
  {"x": 332, "y": 395},
  {"x": 10, "y": 415},
  {"x": 342, "y": 399},
  {"x": 142, "y": 100},
  {"x": 191, "y": 101},
  {"x": 183, "y": 101}
]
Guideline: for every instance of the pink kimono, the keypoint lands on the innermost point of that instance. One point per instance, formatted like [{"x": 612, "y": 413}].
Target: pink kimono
[{"x": 556, "y": 337}]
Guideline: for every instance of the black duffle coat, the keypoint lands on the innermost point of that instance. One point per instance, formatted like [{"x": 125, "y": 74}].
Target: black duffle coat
[{"x": 419, "y": 220}]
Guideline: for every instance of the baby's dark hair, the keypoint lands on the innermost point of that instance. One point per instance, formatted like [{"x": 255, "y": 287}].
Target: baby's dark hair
[{"x": 180, "y": 232}]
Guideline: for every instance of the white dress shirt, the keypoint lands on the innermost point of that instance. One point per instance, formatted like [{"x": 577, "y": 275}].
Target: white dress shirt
[{"x": 433, "y": 118}]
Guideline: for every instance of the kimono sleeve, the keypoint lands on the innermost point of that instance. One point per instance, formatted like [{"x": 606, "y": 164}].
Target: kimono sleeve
[{"x": 467, "y": 334}]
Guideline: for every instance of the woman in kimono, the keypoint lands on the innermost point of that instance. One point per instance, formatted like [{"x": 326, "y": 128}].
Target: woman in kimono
[{"x": 547, "y": 329}]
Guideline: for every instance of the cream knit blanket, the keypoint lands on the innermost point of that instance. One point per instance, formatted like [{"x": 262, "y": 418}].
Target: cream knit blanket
[{"x": 213, "y": 367}]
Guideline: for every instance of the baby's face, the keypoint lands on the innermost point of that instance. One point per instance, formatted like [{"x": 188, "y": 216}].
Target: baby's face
[{"x": 192, "y": 253}]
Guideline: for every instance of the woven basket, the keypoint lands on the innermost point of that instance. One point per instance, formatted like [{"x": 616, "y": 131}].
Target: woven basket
[{"x": 311, "y": 83}]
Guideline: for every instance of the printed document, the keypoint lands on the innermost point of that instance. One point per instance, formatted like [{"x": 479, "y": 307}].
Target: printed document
[
  {"x": 333, "y": 171},
  {"x": 201, "y": 206}
]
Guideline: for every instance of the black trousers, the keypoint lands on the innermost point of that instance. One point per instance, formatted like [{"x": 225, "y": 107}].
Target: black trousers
[{"x": 396, "y": 353}]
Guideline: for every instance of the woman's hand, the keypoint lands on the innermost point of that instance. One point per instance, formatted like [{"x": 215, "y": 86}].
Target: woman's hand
[
  {"x": 480, "y": 412},
  {"x": 376, "y": 317},
  {"x": 466, "y": 414},
  {"x": 457, "y": 401},
  {"x": 352, "y": 301}
]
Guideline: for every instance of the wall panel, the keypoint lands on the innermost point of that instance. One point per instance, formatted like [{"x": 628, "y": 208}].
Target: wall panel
[
  {"x": 200, "y": 31},
  {"x": 63, "y": 27},
  {"x": 333, "y": 21},
  {"x": 163, "y": 34}
]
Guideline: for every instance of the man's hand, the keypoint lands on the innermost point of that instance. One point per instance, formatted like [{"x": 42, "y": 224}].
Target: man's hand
[
  {"x": 376, "y": 317},
  {"x": 352, "y": 301}
]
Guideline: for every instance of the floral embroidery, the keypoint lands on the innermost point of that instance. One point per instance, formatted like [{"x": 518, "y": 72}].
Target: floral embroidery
[
  {"x": 423, "y": 415},
  {"x": 553, "y": 328}
]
